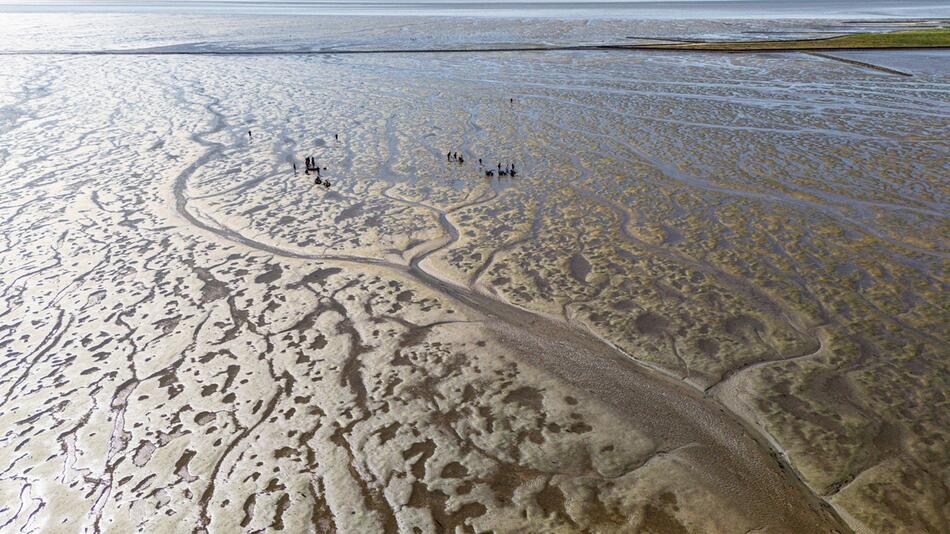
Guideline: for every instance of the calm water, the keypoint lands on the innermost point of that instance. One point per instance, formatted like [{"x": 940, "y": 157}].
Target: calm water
[{"x": 526, "y": 8}]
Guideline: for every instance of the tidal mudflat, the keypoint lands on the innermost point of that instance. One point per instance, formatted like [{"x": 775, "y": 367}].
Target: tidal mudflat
[{"x": 713, "y": 299}]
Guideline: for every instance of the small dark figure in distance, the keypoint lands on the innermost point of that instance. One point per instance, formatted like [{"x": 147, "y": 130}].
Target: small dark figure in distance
[
  {"x": 326, "y": 183},
  {"x": 336, "y": 137},
  {"x": 461, "y": 159},
  {"x": 248, "y": 134},
  {"x": 489, "y": 173},
  {"x": 448, "y": 156},
  {"x": 479, "y": 162},
  {"x": 294, "y": 163}
]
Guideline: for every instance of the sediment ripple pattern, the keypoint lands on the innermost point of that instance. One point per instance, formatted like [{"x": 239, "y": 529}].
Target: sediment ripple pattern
[{"x": 713, "y": 299}]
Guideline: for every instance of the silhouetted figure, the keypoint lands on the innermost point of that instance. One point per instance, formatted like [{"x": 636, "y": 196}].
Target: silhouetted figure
[
  {"x": 461, "y": 159},
  {"x": 499, "y": 168},
  {"x": 479, "y": 162},
  {"x": 326, "y": 184},
  {"x": 336, "y": 137},
  {"x": 448, "y": 156},
  {"x": 489, "y": 173},
  {"x": 502, "y": 173},
  {"x": 511, "y": 100},
  {"x": 248, "y": 134},
  {"x": 294, "y": 163}
]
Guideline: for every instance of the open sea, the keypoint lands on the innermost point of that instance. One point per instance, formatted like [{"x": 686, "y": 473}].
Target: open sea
[{"x": 695, "y": 9}]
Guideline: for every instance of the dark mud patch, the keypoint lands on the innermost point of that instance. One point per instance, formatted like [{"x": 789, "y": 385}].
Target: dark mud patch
[
  {"x": 580, "y": 268},
  {"x": 348, "y": 213},
  {"x": 742, "y": 325},
  {"x": 526, "y": 396},
  {"x": 650, "y": 324}
]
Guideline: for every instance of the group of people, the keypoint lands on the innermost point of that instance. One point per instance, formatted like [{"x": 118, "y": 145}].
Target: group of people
[
  {"x": 509, "y": 169},
  {"x": 451, "y": 156},
  {"x": 311, "y": 166},
  {"x": 311, "y": 163}
]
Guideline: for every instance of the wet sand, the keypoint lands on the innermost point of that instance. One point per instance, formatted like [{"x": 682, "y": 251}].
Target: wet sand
[{"x": 710, "y": 301}]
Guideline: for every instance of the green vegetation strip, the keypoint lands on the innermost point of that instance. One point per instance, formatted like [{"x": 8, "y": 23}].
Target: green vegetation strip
[{"x": 929, "y": 38}]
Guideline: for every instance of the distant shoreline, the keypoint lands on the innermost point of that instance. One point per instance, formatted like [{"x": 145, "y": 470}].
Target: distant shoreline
[
  {"x": 868, "y": 10},
  {"x": 929, "y": 39},
  {"x": 907, "y": 39}
]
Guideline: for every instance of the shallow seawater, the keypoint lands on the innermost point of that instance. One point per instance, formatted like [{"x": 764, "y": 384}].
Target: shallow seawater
[
  {"x": 549, "y": 9},
  {"x": 195, "y": 31},
  {"x": 711, "y": 298}
]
